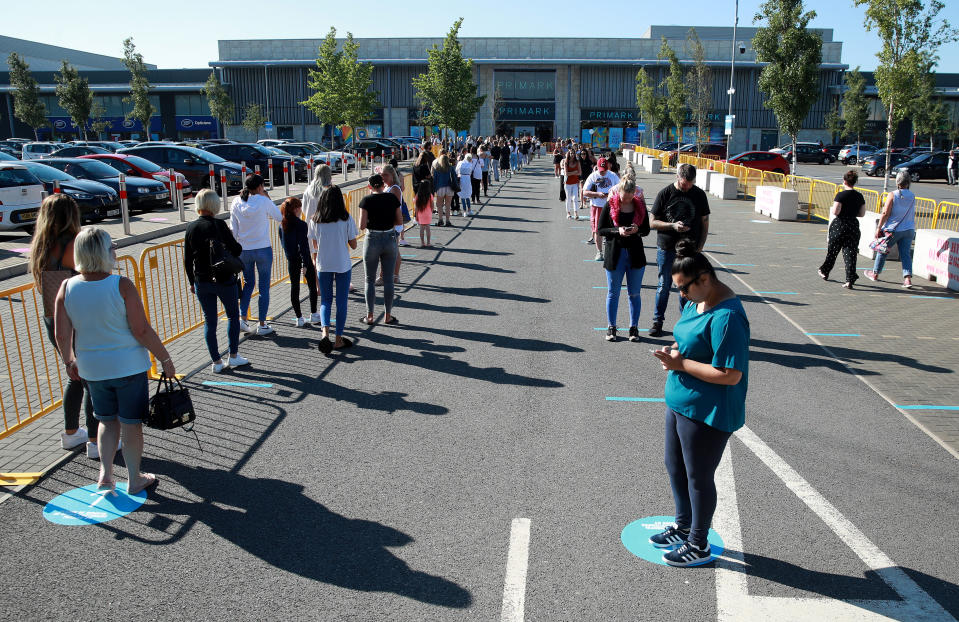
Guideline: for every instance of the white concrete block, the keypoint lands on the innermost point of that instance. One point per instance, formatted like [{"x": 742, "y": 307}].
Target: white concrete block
[
  {"x": 937, "y": 256},
  {"x": 702, "y": 179},
  {"x": 777, "y": 203},
  {"x": 722, "y": 186},
  {"x": 652, "y": 165},
  {"x": 867, "y": 230}
]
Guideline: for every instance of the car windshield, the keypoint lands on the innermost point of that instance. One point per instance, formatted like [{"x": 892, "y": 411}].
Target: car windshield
[
  {"x": 47, "y": 173},
  {"x": 96, "y": 170},
  {"x": 736, "y": 157},
  {"x": 143, "y": 164},
  {"x": 278, "y": 152},
  {"x": 921, "y": 158},
  {"x": 13, "y": 177},
  {"x": 203, "y": 157}
]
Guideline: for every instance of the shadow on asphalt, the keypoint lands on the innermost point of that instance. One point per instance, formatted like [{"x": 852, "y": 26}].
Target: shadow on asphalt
[
  {"x": 771, "y": 300},
  {"x": 481, "y": 292},
  {"x": 425, "y": 306},
  {"x": 464, "y": 265},
  {"x": 803, "y": 355},
  {"x": 499, "y": 341}
]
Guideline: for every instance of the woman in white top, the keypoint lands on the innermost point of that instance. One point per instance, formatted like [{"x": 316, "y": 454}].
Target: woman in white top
[
  {"x": 103, "y": 313},
  {"x": 898, "y": 218},
  {"x": 465, "y": 171},
  {"x": 332, "y": 232},
  {"x": 250, "y": 216},
  {"x": 485, "y": 160},
  {"x": 477, "y": 178}
]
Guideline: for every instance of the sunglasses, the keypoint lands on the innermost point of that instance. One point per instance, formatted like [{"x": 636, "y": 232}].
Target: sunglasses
[{"x": 684, "y": 288}]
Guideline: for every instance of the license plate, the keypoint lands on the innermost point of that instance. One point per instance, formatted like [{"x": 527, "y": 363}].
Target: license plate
[
  {"x": 113, "y": 212},
  {"x": 24, "y": 216}
]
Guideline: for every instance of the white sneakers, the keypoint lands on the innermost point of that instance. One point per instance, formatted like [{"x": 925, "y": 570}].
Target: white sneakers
[
  {"x": 72, "y": 441},
  {"x": 218, "y": 367},
  {"x": 265, "y": 329},
  {"x": 93, "y": 452},
  {"x": 315, "y": 318},
  {"x": 299, "y": 322},
  {"x": 237, "y": 361},
  {"x": 256, "y": 329},
  {"x": 244, "y": 327}
]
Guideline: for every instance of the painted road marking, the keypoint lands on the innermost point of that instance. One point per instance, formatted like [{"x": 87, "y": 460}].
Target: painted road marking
[
  {"x": 741, "y": 264},
  {"x": 925, "y": 407},
  {"x": 407, "y": 256},
  {"x": 733, "y": 601},
  {"x": 936, "y": 297},
  {"x": 781, "y": 233},
  {"x": 715, "y": 245},
  {"x": 765, "y": 222},
  {"x": 781, "y": 293},
  {"x": 605, "y": 287},
  {"x": 635, "y": 537},
  {"x": 833, "y": 334},
  {"x": 517, "y": 562},
  {"x": 24, "y": 249},
  {"x": 577, "y": 227},
  {"x": 89, "y": 506},
  {"x": 810, "y": 248},
  {"x": 890, "y": 336},
  {"x": 635, "y": 399},
  {"x": 211, "y": 383},
  {"x": 642, "y": 330}
]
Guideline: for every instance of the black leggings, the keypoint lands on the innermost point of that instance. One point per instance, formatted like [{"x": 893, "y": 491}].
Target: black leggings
[
  {"x": 843, "y": 236},
  {"x": 476, "y": 188},
  {"x": 693, "y": 451},
  {"x": 73, "y": 395},
  {"x": 296, "y": 266}
]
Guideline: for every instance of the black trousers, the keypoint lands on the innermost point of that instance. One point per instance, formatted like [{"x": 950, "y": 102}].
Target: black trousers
[
  {"x": 296, "y": 266},
  {"x": 476, "y": 188},
  {"x": 485, "y": 183},
  {"x": 843, "y": 236}
]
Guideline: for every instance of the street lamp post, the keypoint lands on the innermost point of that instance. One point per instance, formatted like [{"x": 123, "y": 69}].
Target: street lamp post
[{"x": 732, "y": 71}]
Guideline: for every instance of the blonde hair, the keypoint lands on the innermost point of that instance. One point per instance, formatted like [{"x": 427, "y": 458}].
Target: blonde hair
[
  {"x": 442, "y": 163},
  {"x": 91, "y": 250},
  {"x": 207, "y": 201},
  {"x": 59, "y": 217},
  {"x": 389, "y": 170}
]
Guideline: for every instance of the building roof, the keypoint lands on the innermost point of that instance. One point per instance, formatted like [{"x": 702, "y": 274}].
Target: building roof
[{"x": 46, "y": 57}]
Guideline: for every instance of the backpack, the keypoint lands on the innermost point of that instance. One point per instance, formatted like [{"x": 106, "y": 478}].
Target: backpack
[{"x": 224, "y": 265}]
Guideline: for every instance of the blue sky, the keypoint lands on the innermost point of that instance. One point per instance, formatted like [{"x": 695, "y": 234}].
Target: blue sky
[{"x": 176, "y": 33}]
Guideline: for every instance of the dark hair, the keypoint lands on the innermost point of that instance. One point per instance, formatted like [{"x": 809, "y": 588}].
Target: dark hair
[
  {"x": 253, "y": 182},
  {"x": 376, "y": 181},
  {"x": 423, "y": 194},
  {"x": 689, "y": 261},
  {"x": 394, "y": 164},
  {"x": 851, "y": 177},
  {"x": 331, "y": 207},
  {"x": 289, "y": 207}
]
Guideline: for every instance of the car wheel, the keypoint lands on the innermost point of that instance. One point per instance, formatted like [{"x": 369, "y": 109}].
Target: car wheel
[
  {"x": 879, "y": 171},
  {"x": 914, "y": 177}
]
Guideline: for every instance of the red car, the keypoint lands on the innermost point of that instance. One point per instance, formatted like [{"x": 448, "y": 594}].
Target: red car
[
  {"x": 762, "y": 160},
  {"x": 135, "y": 166}
]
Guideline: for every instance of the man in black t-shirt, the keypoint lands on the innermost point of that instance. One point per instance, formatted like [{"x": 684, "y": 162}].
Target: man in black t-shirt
[
  {"x": 494, "y": 154},
  {"x": 681, "y": 210}
]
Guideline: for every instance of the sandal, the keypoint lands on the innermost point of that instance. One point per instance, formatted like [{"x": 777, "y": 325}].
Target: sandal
[
  {"x": 325, "y": 346},
  {"x": 346, "y": 344},
  {"x": 392, "y": 320},
  {"x": 363, "y": 320}
]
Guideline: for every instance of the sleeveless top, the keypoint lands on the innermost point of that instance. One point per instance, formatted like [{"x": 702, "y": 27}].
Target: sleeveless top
[
  {"x": 105, "y": 347},
  {"x": 903, "y": 216}
]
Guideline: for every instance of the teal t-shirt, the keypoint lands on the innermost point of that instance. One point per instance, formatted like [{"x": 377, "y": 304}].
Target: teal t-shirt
[{"x": 717, "y": 337}]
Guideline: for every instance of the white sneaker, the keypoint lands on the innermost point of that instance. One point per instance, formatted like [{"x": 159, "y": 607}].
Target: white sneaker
[
  {"x": 244, "y": 327},
  {"x": 237, "y": 361},
  {"x": 378, "y": 281},
  {"x": 265, "y": 329},
  {"x": 93, "y": 452},
  {"x": 218, "y": 367},
  {"x": 300, "y": 322},
  {"x": 314, "y": 318},
  {"x": 404, "y": 243},
  {"x": 70, "y": 441}
]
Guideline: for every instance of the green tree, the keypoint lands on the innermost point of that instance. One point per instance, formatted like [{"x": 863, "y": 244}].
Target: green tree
[
  {"x": 834, "y": 123},
  {"x": 646, "y": 101},
  {"x": 790, "y": 80},
  {"x": 98, "y": 124},
  {"x": 359, "y": 96},
  {"x": 855, "y": 108},
  {"x": 254, "y": 119},
  {"x": 27, "y": 105},
  {"x": 929, "y": 114},
  {"x": 699, "y": 85},
  {"x": 74, "y": 95},
  {"x": 142, "y": 109},
  {"x": 910, "y": 33},
  {"x": 675, "y": 89},
  {"x": 219, "y": 101},
  {"x": 447, "y": 89}
]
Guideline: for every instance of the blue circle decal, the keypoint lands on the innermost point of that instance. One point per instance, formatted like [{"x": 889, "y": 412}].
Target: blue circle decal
[
  {"x": 89, "y": 506},
  {"x": 635, "y": 538}
]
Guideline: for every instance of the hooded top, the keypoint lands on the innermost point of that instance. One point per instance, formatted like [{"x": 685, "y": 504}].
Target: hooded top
[
  {"x": 639, "y": 204},
  {"x": 250, "y": 221}
]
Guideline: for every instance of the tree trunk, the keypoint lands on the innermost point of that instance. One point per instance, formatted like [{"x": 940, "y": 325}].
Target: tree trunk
[
  {"x": 885, "y": 178},
  {"x": 795, "y": 158}
]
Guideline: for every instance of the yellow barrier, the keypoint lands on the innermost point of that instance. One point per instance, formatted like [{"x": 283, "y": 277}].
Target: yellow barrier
[
  {"x": 872, "y": 200},
  {"x": 752, "y": 178},
  {"x": 821, "y": 197},
  {"x": 947, "y": 216},
  {"x": 803, "y": 186},
  {"x": 926, "y": 213},
  {"x": 770, "y": 178}
]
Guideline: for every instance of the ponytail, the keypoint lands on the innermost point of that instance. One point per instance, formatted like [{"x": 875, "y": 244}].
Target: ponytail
[
  {"x": 253, "y": 182},
  {"x": 689, "y": 261}
]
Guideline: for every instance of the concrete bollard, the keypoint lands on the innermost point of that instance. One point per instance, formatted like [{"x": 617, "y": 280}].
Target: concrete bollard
[
  {"x": 124, "y": 205},
  {"x": 653, "y": 165},
  {"x": 212, "y": 185},
  {"x": 56, "y": 186},
  {"x": 180, "y": 202},
  {"x": 224, "y": 189},
  {"x": 286, "y": 179}
]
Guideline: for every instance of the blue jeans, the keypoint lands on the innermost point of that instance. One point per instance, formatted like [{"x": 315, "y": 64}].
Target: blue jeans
[
  {"x": 634, "y": 285},
  {"x": 664, "y": 263},
  {"x": 208, "y": 294},
  {"x": 495, "y": 167},
  {"x": 260, "y": 262},
  {"x": 512, "y": 160},
  {"x": 903, "y": 240},
  {"x": 342, "y": 298}
]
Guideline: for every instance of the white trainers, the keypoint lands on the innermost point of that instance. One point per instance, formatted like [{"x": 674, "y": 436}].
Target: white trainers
[
  {"x": 245, "y": 328},
  {"x": 237, "y": 361},
  {"x": 315, "y": 318},
  {"x": 93, "y": 452},
  {"x": 218, "y": 367},
  {"x": 299, "y": 322},
  {"x": 265, "y": 329},
  {"x": 71, "y": 441}
]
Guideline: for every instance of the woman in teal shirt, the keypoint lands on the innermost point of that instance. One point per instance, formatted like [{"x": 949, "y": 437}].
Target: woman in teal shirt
[{"x": 705, "y": 400}]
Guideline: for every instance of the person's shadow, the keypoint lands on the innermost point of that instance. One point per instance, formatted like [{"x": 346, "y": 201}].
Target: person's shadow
[{"x": 273, "y": 520}]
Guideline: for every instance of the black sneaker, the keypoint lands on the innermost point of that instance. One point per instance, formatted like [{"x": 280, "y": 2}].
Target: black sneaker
[
  {"x": 611, "y": 333},
  {"x": 669, "y": 538},
  {"x": 656, "y": 330},
  {"x": 590, "y": 240},
  {"x": 633, "y": 334},
  {"x": 688, "y": 555}
]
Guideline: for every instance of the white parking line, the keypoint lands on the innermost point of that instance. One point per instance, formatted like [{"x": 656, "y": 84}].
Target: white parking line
[
  {"x": 517, "y": 561},
  {"x": 733, "y": 601}
]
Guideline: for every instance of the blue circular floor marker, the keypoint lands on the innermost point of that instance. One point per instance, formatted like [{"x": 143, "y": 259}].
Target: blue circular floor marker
[
  {"x": 635, "y": 538},
  {"x": 89, "y": 506}
]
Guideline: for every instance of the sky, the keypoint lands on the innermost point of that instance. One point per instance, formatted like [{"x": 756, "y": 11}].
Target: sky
[{"x": 178, "y": 33}]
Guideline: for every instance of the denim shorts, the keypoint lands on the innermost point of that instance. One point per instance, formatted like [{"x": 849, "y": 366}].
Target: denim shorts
[{"x": 131, "y": 393}]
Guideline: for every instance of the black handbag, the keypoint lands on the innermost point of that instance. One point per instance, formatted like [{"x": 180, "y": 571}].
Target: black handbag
[
  {"x": 224, "y": 264},
  {"x": 171, "y": 407}
]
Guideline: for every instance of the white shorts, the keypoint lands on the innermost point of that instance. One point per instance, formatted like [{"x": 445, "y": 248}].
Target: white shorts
[{"x": 445, "y": 191}]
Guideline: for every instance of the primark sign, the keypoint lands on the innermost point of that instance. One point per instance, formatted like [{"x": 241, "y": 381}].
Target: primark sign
[
  {"x": 526, "y": 111},
  {"x": 615, "y": 115}
]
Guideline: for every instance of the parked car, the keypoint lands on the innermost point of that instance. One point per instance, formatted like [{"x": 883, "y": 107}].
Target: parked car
[
  {"x": 808, "y": 152},
  {"x": 96, "y": 200},
  {"x": 781, "y": 149},
  {"x": 142, "y": 194},
  {"x": 271, "y": 142},
  {"x": 304, "y": 150},
  {"x": 874, "y": 164},
  {"x": 914, "y": 151},
  {"x": 762, "y": 160},
  {"x": 35, "y": 150},
  {"x": 667, "y": 146},
  {"x": 75, "y": 151},
  {"x": 12, "y": 147},
  {"x": 374, "y": 147},
  {"x": 194, "y": 164},
  {"x": 4, "y": 157},
  {"x": 850, "y": 154},
  {"x": 257, "y": 155},
  {"x": 109, "y": 145},
  {"x": 129, "y": 142},
  {"x": 135, "y": 166},
  {"x": 217, "y": 141},
  {"x": 925, "y": 166},
  {"x": 20, "y": 196}
]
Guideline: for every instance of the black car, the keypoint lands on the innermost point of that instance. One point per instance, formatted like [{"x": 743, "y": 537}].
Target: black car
[
  {"x": 142, "y": 194},
  {"x": 914, "y": 151},
  {"x": 669, "y": 145},
  {"x": 833, "y": 151},
  {"x": 257, "y": 155},
  {"x": 194, "y": 164},
  {"x": 808, "y": 152},
  {"x": 925, "y": 166},
  {"x": 874, "y": 164},
  {"x": 75, "y": 151},
  {"x": 96, "y": 200},
  {"x": 305, "y": 150}
]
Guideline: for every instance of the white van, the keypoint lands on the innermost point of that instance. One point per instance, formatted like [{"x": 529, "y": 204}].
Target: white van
[
  {"x": 20, "y": 196},
  {"x": 35, "y": 151}
]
